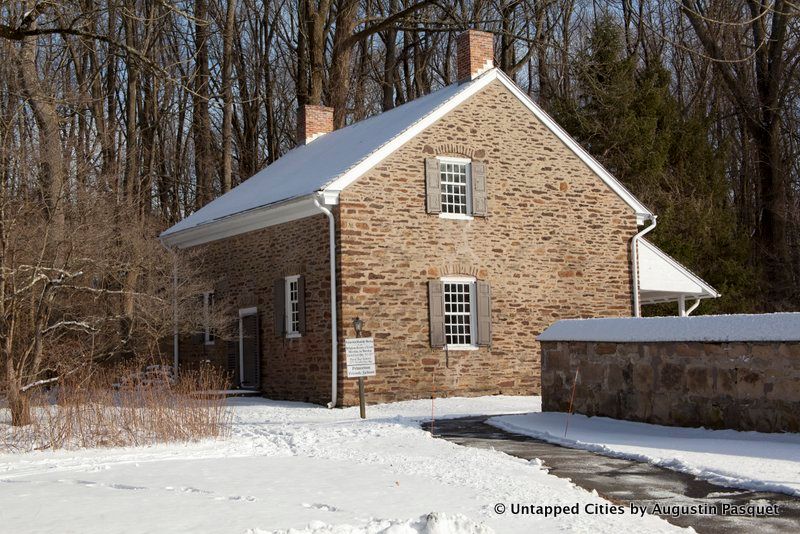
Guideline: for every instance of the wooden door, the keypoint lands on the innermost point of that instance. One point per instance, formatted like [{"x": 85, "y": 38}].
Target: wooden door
[{"x": 249, "y": 349}]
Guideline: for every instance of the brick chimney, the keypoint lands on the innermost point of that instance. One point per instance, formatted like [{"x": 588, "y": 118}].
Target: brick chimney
[
  {"x": 312, "y": 122},
  {"x": 475, "y": 54}
]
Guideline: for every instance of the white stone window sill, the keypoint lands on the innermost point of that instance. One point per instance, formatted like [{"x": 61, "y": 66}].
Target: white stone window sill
[
  {"x": 456, "y": 216},
  {"x": 294, "y": 335},
  {"x": 461, "y": 347},
  {"x": 209, "y": 343}
]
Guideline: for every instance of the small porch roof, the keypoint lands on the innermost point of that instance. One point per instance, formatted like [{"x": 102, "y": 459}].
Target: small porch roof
[{"x": 663, "y": 279}]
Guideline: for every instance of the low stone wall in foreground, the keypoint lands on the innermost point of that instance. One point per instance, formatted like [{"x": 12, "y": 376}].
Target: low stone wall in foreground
[{"x": 728, "y": 383}]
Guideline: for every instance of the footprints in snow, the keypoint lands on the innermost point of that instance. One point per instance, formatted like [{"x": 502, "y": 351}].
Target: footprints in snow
[
  {"x": 126, "y": 487},
  {"x": 321, "y": 507},
  {"x": 182, "y": 489}
]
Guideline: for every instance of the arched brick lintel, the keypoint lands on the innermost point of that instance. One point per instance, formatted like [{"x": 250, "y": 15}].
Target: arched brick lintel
[
  {"x": 458, "y": 269},
  {"x": 455, "y": 149}
]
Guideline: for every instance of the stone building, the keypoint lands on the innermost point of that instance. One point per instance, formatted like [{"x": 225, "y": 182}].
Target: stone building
[{"x": 457, "y": 227}]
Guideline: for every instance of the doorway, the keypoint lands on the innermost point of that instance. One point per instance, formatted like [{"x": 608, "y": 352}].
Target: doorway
[{"x": 249, "y": 349}]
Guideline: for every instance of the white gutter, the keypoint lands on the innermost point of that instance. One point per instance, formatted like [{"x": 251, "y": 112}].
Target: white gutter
[
  {"x": 239, "y": 223},
  {"x": 637, "y": 310},
  {"x": 334, "y": 323}
]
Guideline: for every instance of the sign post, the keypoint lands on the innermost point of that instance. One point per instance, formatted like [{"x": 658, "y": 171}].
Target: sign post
[
  {"x": 362, "y": 403},
  {"x": 360, "y": 353}
]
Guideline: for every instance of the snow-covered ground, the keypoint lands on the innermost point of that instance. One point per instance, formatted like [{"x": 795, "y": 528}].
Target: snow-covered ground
[
  {"x": 299, "y": 466},
  {"x": 746, "y": 460}
]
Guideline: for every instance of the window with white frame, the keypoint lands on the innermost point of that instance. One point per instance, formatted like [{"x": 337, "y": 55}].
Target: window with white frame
[
  {"x": 454, "y": 178},
  {"x": 459, "y": 311},
  {"x": 292, "y": 306},
  {"x": 208, "y": 309}
]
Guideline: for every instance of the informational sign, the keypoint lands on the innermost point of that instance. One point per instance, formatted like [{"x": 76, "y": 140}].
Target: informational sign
[{"x": 360, "y": 354}]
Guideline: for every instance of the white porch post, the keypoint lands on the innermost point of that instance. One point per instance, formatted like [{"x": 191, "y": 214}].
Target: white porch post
[{"x": 682, "y": 306}]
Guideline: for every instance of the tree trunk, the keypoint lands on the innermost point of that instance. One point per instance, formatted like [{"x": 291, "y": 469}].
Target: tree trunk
[
  {"x": 273, "y": 132},
  {"x": 20, "y": 408},
  {"x": 201, "y": 122},
  {"x": 131, "y": 142},
  {"x": 389, "y": 64},
  {"x": 507, "y": 52},
  {"x": 773, "y": 216},
  {"x": 301, "y": 76},
  {"x": 247, "y": 131},
  {"x": 227, "y": 90},
  {"x": 53, "y": 177},
  {"x": 340, "y": 61},
  {"x": 18, "y": 400},
  {"x": 317, "y": 17}
]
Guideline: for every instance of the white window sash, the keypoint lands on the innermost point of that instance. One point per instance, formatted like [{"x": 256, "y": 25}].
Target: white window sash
[
  {"x": 291, "y": 332},
  {"x": 473, "y": 316},
  {"x": 467, "y": 215}
]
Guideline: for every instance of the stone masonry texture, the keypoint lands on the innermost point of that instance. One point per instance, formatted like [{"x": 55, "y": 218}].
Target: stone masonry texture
[
  {"x": 554, "y": 245},
  {"x": 743, "y": 386},
  {"x": 244, "y": 268}
]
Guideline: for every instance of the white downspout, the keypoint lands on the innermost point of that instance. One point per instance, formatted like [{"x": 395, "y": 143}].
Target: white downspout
[
  {"x": 334, "y": 323},
  {"x": 693, "y": 308},
  {"x": 637, "y": 311}
]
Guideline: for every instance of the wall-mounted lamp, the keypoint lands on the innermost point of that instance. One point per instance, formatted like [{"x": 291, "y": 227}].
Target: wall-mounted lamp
[{"x": 358, "y": 324}]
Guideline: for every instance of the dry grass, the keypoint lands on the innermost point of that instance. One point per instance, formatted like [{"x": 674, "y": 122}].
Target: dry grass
[{"x": 131, "y": 405}]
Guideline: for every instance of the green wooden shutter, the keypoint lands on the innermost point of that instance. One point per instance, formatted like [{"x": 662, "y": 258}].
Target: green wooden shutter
[
  {"x": 433, "y": 186},
  {"x": 478, "y": 188},
  {"x": 301, "y": 305},
  {"x": 436, "y": 312},
  {"x": 279, "y": 306},
  {"x": 483, "y": 307}
]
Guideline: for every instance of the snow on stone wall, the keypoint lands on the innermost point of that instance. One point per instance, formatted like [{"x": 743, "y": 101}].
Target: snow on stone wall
[{"x": 709, "y": 328}]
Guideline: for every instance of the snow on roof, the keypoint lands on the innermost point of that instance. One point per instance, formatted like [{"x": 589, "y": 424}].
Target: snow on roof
[
  {"x": 719, "y": 328},
  {"x": 662, "y": 278},
  {"x": 309, "y": 168},
  {"x": 331, "y": 162}
]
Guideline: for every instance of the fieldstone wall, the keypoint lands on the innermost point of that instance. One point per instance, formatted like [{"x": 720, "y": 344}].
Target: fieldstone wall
[
  {"x": 738, "y": 385},
  {"x": 244, "y": 268},
  {"x": 554, "y": 245}
]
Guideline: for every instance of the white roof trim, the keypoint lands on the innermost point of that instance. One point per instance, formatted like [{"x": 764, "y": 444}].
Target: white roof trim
[
  {"x": 246, "y": 221},
  {"x": 642, "y": 212},
  {"x": 654, "y": 294}
]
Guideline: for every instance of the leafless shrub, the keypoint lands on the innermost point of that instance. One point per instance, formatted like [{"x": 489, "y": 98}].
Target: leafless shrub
[{"x": 129, "y": 405}]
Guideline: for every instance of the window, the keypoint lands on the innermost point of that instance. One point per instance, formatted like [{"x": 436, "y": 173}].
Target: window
[
  {"x": 459, "y": 312},
  {"x": 454, "y": 180},
  {"x": 455, "y": 188},
  {"x": 208, "y": 309},
  {"x": 292, "y": 306}
]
